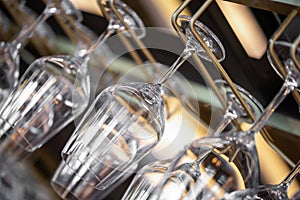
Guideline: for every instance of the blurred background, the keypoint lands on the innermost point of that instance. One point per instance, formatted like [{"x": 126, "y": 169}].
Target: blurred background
[{"x": 244, "y": 28}]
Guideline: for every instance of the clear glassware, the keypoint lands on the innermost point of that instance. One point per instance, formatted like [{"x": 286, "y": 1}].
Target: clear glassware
[
  {"x": 224, "y": 176},
  {"x": 282, "y": 49},
  {"x": 267, "y": 192},
  {"x": 122, "y": 125},
  {"x": 24, "y": 16},
  {"x": 234, "y": 109},
  {"x": 146, "y": 180},
  {"x": 70, "y": 186},
  {"x": 53, "y": 91},
  {"x": 19, "y": 182},
  {"x": 71, "y": 23},
  {"x": 207, "y": 176},
  {"x": 9, "y": 51},
  {"x": 128, "y": 15},
  {"x": 244, "y": 141}
]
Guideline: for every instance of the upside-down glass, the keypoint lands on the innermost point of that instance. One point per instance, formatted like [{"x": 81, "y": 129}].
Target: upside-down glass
[
  {"x": 64, "y": 177},
  {"x": 207, "y": 176},
  {"x": 146, "y": 180},
  {"x": 9, "y": 51},
  {"x": 267, "y": 192},
  {"x": 51, "y": 93},
  {"x": 225, "y": 177},
  {"x": 124, "y": 123},
  {"x": 189, "y": 180},
  {"x": 244, "y": 141},
  {"x": 234, "y": 109}
]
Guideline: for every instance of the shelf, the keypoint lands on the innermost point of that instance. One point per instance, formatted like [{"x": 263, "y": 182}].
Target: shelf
[{"x": 278, "y": 6}]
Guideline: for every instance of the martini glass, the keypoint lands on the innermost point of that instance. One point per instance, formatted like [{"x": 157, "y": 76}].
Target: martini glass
[
  {"x": 267, "y": 192},
  {"x": 124, "y": 123}
]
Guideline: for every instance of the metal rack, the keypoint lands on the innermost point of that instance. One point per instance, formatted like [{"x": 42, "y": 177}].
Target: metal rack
[
  {"x": 289, "y": 7},
  {"x": 294, "y": 12}
]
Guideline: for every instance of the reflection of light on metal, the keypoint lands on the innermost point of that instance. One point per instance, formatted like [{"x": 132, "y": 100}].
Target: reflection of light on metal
[
  {"x": 268, "y": 158},
  {"x": 181, "y": 129},
  {"x": 246, "y": 28}
]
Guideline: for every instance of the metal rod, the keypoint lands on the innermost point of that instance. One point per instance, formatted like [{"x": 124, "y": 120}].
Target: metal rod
[
  {"x": 198, "y": 61},
  {"x": 273, "y": 53},
  {"x": 264, "y": 132},
  {"x": 22, "y": 18},
  {"x": 214, "y": 59},
  {"x": 135, "y": 38},
  {"x": 137, "y": 59},
  {"x": 294, "y": 48},
  {"x": 75, "y": 34}
]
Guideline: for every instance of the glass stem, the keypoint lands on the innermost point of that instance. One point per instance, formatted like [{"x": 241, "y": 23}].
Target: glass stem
[
  {"x": 158, "y": 189},
  {"x": 286, "y": 88},
  {"x": 27, "y": 32},
  {"x": 225, "y": 122},
  {"x": 103, "y": 37},
  {"x": 180, "y": 60},
  {"x": 292, "y": 175}
]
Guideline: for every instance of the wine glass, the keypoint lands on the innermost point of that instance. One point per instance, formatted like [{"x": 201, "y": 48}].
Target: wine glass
[
  {"x": 24, "y": 16},
  {"x": 62, "y": 178},
  {"x": 143, "y": 187},
  {"x": 18, "y": 182},
  {"x": 244, "y": 141},
  {"x": 278, "y": 191},
  {"x": 234, "y": 109},
  {"x": 129, "y": 17},
  {"x": 52, "y": 92},
  {"x": 9, "y": 51},
  {"x": 207, "y": 175},
  {"x": 146, "y": 180},
  {"x": 123, "y": 124}
]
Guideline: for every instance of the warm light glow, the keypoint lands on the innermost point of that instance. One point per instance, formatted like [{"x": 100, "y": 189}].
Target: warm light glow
[
  {"x": 154, "y": 177},
  {"x": 161, "y": 11},
  {"x": 89, "y": 6},
  {"x": 273, "y": 167},
  {"x": 246, "y": 28},
  {"x": 181, "y": 129}
]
